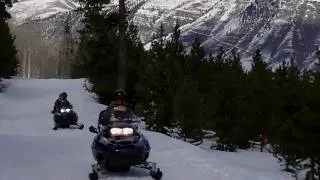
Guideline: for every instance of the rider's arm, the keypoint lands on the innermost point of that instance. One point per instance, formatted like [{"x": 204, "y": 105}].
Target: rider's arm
[
  {"x": 69, "y": 104},
  {"x": 56, "y": 106}
]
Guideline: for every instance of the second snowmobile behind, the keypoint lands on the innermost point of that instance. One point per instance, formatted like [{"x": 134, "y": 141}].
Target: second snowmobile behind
[{"x": 66, "y": 118}]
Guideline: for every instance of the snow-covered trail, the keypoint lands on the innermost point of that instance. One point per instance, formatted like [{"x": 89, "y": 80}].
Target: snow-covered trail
[{"x": 31, "y": 150}]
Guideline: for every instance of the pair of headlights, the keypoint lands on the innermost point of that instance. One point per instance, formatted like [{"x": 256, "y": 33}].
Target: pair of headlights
[
  {"x": 65, "y": 110},
  {"x": 121, "y": 131},
  {"x": 116, "y": 132}
]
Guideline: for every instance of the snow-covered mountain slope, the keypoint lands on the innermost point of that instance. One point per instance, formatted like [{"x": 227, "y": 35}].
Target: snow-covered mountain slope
[
  {"x": 280, "y": 28},
  {"x": 31, "y": 150},
  {"x": 26, "y": 10}
]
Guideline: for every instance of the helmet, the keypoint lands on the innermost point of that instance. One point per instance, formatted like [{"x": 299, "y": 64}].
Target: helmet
[
  {"x": 119, "y": 94},
  {"x": 63, "y": 95}
]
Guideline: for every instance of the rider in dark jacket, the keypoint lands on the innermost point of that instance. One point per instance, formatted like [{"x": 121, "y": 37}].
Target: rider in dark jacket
[
  {"x": 62, "y": 121},
  {"x": 119, "y": 99},
  {"x": 61, "y": 101}
]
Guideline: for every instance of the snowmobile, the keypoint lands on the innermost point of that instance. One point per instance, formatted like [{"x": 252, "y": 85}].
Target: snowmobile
[
  {"x": 120, "y": 145},
  {"x": 65, "y": 117}
]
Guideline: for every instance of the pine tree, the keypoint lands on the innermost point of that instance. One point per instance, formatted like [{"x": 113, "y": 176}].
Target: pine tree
[
  {"x": 309, "y": 124},
  {"x": 66, "y": 49},
  {"x": 163, "y": 76},
  {"x": 187, "y": 105},
  {"x": 99, "y": 49},
  {"x": 285, "y": 130},
  {"x": 156, "y": 86},
  {"x": 259, "y": 94},
  {"x": 195, "y": 59},
  {"x": 8, "y": 52},
  {"x": 135, "y": 64},
  {"x": 318, "y": 54},
  {"x": 227, "y": 95},
  {"x": 96, "y": 54},
  {"x": 198, "y": 66},
  {"x": 176, "y": 58}
]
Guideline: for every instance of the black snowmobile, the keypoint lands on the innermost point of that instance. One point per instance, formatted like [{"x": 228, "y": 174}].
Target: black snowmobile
[
  {"x": 120, "y": 145},
  {"x": 65, "y": 117}
]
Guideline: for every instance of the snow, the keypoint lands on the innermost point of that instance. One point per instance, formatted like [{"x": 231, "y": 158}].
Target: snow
[
  {"x": 35, "y": 9},
  {"x": 31, "y": 150},
  {"x": 226, "y": 14},
  {"x": 166, "y": 4}
]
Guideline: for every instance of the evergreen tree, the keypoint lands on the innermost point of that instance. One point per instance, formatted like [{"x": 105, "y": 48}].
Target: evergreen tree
[
  {"x": 157, "y": 84},
  {"x": 318, "y": 53},
  {"x": 307, "y": 125},
  {"x": 8, "y": 52},
  {"x": 165, "y": 77},
  {"x": 260, "y": 92},
  {"x": 66, "y": 50},
  {"x": 187, "y": 105},
  {"x": 195, "y": 58},
  {"x": 284, "y": 131},
  {"x": 135, "y": 64},
  {"x": 99, "y": 49},
  {"x": 176, "y": 59},
  {"x": 227, "y": 94},
  {"x": 189, "y": 108},
  {"x": 94, "y": 24}
]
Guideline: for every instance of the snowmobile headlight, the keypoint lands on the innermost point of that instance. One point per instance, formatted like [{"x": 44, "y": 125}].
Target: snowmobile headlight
[
  {"x": 68, "y": 110},
  {"x": 127, "y": 131},
  {"x": 116, "y": 131},
  {"x": 121, "y": 132},
  {"x": 63, "y": 110}
]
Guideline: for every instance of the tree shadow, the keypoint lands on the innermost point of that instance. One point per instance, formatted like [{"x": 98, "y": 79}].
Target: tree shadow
[{"x": 2, "y": 86}]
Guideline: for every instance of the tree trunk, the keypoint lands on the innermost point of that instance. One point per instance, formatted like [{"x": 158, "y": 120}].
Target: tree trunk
[
  {"x": 122, "y": 47},
  {"x": 24, "y": 72},
  {"x": 29, "y": 61},
  {"x": 261, "y": 142}
]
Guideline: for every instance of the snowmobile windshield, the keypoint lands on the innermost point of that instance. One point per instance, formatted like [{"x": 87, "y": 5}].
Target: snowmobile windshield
[
  {"x": 121, "y": 116},
  {"x": 122, "y": 113},
  {"x": 65, "y": 104}
]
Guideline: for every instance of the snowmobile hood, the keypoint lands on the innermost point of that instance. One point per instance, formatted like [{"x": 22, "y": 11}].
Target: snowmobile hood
[{"x": 120, "y": 124}]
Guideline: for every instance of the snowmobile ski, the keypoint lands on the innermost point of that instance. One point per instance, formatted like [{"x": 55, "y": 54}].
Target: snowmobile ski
[{"x": 100, "y": 173}]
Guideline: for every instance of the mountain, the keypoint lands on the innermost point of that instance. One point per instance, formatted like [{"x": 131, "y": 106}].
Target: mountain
[
  {"x": 31, "y": 10},
  {"x": 280, "y": 28},
  {"x": 31, "y": 150},
  {"x": 38, "y": 26}
]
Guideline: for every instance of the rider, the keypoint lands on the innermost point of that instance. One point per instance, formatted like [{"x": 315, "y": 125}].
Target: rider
[
  {"x": 119, "y": 99},
  {"x": 62, "y": 100},
  {"x": 72, "y": 117}
]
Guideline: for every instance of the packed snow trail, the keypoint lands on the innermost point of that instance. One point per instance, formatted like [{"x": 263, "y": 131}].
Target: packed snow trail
[{"x": 31, "y": 150}]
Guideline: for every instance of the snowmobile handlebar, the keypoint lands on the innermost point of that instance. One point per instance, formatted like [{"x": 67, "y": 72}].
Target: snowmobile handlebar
[{"x": 93, "y": 130}]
